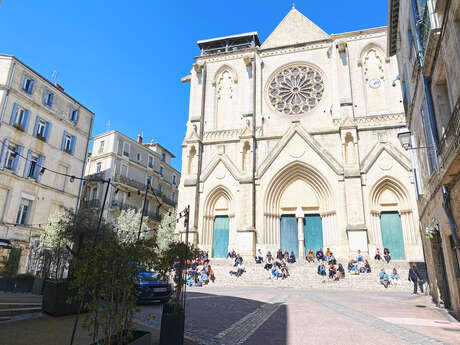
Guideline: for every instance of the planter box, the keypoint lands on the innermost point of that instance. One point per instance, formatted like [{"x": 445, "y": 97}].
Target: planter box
[
  {"x": 37, "y": 288},
  {"x": 55, "y": 296},
  {"x": 140, "y": 338},
  {"x": 172, "y": 328}
]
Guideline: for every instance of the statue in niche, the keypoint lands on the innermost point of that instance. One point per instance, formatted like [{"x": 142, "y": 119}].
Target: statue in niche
[
  {"x": 245, "y": 156},
  {"x": 350, "y": 153},
  {"x": 224, "y": 99},
  {"x": 191, "y": 160}
]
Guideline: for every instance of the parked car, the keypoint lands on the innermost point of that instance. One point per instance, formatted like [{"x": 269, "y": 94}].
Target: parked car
[{"x": 151, "y": 288}]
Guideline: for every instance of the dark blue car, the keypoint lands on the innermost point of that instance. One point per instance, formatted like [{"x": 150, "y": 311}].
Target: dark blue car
[{"x": 151, "y": 288}]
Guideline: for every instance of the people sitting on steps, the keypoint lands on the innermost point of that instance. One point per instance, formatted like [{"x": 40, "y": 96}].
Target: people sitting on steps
[
  {"x": 276, "y": 272},
  {"x": 268, "y": 264},
  {"x": 332, "y": 271},
  {"x": 259, "y": 257},
  {"x": 331, "y": 258},
  {"x": 240, "y": 269},
  {"x": 284, "y": 272},
  {"x": 359, "y": 256},
  {"x": 415, "y": 278},
  {"x": 340, "y": 272},
  {"x": 395, "y": 278},
  {"x": 365, "y": 268},
  {"x": 279, "y": 261},
  {"x": 386, "y": 255},
  {"x": 286, "y": 255},
  {"x": 353, "y": 268},
  {"x": 328, "y": 252},
  {"x": 231, "y": 254},
  {"x": 383, "y": 278},
  {"x": 238, "y": 258},
  {"x": 321, "y": 269},
  {"x": 291, "y": 259},
  {"x": 310, "y": 257},
  {"x": 319, "y": 255},
  {"x": 377, "y": 256}
]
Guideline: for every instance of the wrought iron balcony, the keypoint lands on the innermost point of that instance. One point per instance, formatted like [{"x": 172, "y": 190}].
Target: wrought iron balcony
[
  {"x": 130, "y": 182},
  {"x": 169, "y": 201},
  {"x": 449, "y": 147},
  {"x": 429, "y": 35},
  {"x": 154, "y": 216},
  {"x": 96, "y": 176},
  {"x": 94, "y": 203},
  {"x": 122, "y": 205}
]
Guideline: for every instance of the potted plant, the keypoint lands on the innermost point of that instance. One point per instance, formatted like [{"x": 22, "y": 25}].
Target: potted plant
[{"x": 171, "y": 265}]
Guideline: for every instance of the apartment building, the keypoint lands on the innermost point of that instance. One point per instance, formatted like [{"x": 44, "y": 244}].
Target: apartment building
[
  {"x": 425, "y": 37},
  {"x": 131, "y": 165},
  {"x": 44, "y": 135}
]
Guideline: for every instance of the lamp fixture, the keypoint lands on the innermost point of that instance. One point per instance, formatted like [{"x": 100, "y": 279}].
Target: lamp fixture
[
  {"x": 42, "y": 170},
  {"x": 72, "y": 178},
  {"x": 404, "y": 137}
]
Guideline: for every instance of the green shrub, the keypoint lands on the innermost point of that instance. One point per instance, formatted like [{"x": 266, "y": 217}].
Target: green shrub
[{"x": 25, "y": 276}]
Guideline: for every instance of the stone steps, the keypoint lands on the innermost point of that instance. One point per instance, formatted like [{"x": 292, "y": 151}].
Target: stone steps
[{"x": 304, "y": 276}]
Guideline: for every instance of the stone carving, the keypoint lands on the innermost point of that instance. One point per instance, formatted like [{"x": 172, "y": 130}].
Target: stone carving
[{"x": 296, "y": 89}]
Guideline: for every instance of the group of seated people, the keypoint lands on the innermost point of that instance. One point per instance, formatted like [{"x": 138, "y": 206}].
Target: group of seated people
[
  {"x": 386, "y": 255},
  {"x": 335, "y": 273},
  {"x": 394, "y": 279},
  {"x": 289, "y": 258},
  {"x": 277, "y": 268},
  {"x": 199, "y": 272},
  {"x": 320, "y": 256}
]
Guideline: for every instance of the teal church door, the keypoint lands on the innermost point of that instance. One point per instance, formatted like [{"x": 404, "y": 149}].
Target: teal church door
[
  {"x": 220, "y": 240},
  {"x": 289, "y": 236},
  {"x": 313, "y": 232},
  {"x": 392, "y": 237}
]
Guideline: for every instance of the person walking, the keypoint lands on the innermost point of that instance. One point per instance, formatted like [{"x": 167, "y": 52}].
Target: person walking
[{"x": 415, "y": 278}]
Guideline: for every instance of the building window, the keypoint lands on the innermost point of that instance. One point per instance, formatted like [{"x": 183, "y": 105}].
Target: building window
[
  {"x": 159, "y": 188},
  {"x": 19, "y": 117},
  {"x": 163, "y": 157},
  {"x": 74, "y": 115},
  {"x": 139, "y": 157},
  {"x": 149, "y": 180},
  {"x": 23, "y": 212},
  {"x": 48, "y": 99},
  {"x": 28, "y": 85},
  {"x": 33, "y": 165},
  {"x": 101, "y": 146},
  {"x": 126, "y": 149},
  {"x": 41, "y": 128},
  {"x": 161, "y": 171},
  {"x": 173, "y": 196},
  {"x": 11, "y": 157},
  {"x": 151, "y": 162},
  {"x": 98, "y": 167},
  {"x": 174, "y": 180},
  {"x": 68, "y": 143},
  {"x": 94, "y": 194},
  {"x": 124, "y": 170}
]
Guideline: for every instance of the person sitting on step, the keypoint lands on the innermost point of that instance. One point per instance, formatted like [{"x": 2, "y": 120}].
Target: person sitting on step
[
  {"x": 319, "y": 254},
  {"x": 395, "y": 278},
  {"x": 259, "y": 257},
  {"x": 276, "y": 271},
  {"x": 310, "y": 256},
  {"x": 359, "y": 256},
  {"x": 237, "y": 260},
  {"x": 367, "y": 266},
  {"x": 386, "y": 255},
  {"x": 331, "y": 259},
  {"x": 240, "y": 269},
  {"x": 231, "y": 254},
  {"x": 383, "y": 277},
  {"x": 321, "y": 269},
  {"x": 268, "y": 264},
  {"x": 377, "y": 256},
  {"x": 279, "y": 261},
  {"x": 279, "y": 253},
  {"x": 328, "y": 252},
  {"x": 340, "y": 272},
  {"x": 189, "y": 280},
  {"x": 204, "y": 277},
  {"x": 354, "y": 268},
  {"x": 284, "y": 272},
  {"x": 286, "y": 255},
  {"x": 332, "y": 271},
  {"x": 291, "y": 259}
]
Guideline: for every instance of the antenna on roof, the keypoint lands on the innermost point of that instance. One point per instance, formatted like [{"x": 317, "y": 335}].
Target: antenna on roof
[
  {"x": 293, "y": 5},
  {"x": 54, "y": 76},
  {"x": 108, "y": 125}
]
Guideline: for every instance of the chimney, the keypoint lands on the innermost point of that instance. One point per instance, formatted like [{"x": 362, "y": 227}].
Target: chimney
[
  {"x": 59, "y": 87},
  {"x": 139, "y": 139}
]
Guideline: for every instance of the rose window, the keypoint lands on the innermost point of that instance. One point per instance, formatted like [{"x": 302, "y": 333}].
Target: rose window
[{"x": 296, "y": 89}]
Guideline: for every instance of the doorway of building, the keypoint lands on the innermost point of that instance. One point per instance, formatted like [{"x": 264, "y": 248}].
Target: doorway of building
[
  {"x": 440, "y": 269},
  {"x": 220, "y": 238},
  {"x": 392, "y": 237},
  {"x": 289, "y": 236},
  {"x": 313, "y": 232}
]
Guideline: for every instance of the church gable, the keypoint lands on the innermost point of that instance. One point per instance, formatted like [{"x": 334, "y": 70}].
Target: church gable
[
  {"x": 293, "y": 142},
  {"x": 385, "y": 154},
  {"x": 294, "y": 28},
  {"x": 220, "y": 167}
]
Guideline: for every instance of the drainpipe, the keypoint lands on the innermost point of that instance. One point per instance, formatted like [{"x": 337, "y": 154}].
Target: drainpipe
[
  {"x": 200, "y": 147},
  {"x": 84, "y": 163},
  {"x": 10, "y": 81}
]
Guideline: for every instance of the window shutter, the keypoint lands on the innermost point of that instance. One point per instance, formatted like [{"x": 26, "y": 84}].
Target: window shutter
[
  {"x": 70, "y": 113},
  {"x": 37, "y": 121},
  {"x": 25, "y": 120},
  {"x": 38, "y": 168},
  {"x": 17, "y": 159},
  {"x": 63, "y": 140},
  {"x": 3, "y": 152},
  {"x": 45, "y": 96},
  {"x": 47, "y": 130},
  {"x": 72, "y": 144},
  {"x": 24, "y": 81},
  {"x": 50, "y": 103},
  {"x": 13, "y": 113},
  {"x": 27, "y": 163},
  {"x": 77, "y": 113}
]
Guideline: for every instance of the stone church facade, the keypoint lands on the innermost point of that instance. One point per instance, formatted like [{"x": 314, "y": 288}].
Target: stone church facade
[{"x": 293, "y": 144}]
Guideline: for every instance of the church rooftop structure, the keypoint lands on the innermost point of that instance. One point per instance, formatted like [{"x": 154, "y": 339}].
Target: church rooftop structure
[{"x": 230, "y": 43}]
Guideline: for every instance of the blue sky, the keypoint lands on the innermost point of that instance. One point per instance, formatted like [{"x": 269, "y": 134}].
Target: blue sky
[{"x": 124, "y": 59}]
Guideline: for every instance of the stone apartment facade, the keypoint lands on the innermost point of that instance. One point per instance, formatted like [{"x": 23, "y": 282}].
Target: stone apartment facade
[
  {"x": 48, "y": 129},
  {"x": 293, "y": 144},
  {"x": 425, "y": 37},
  {"x": 130, "y": 164}
]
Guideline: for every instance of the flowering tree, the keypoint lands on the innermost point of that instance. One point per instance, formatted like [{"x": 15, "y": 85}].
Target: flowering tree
[
  {"x": 126, "y": 225},
  {"x": 165, "y": 233}
]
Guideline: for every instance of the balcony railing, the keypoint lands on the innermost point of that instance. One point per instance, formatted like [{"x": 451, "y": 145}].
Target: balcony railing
[
  {"x": 449, "y": 147},
  {"x": 96, "y": 176},
  {"x": 169, "y": 201},
  {"x": 123, "y": 206},
  {"x": 425, "y": 27},
  {"x": 130, "y": 182},
  {"x": 154, "y": 215},
  {"x": 94, "y": 203}
]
